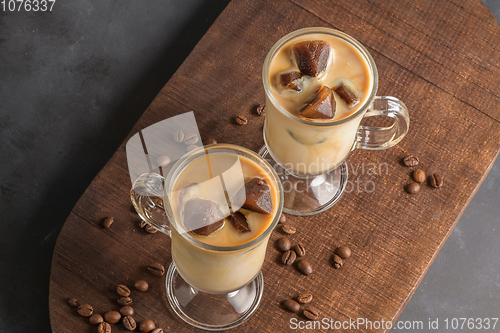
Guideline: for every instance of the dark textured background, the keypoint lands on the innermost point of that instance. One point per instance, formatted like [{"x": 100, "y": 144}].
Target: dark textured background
[{"x": 72, "y": 84}]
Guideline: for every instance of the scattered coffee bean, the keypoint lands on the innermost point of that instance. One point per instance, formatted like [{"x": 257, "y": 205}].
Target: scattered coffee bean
[
  {"x": 85, "y": 310},
  {"x": 419, "y": 176},
  {"x": 147, "y": 326},
  {"x": 343, "y": 252},
  {"x": 127, "y": 310},
  {"x": 282, "y": 218},
  {"x": 179, "y": 136},
  {"x": 261, "y": 110},
  {"x": 163, "y": 160},
  {"x": 291, "y": 305},
  {"x": 141, "y": 285},
  {"x": 192, "y": 147},
  {"x": 157, "y": 330},
  {"x": 190, "y": 139},
  {"x": 210, "y": 141},
  {"x": 156, "y": 269},
  {"x": 410, "y": 161},
  {"x": 299, "y": 250},
  {"x": 108, "y": 221},
  {"x": 311, "y": 313},
  {"x": 288, "y": 229},
  {"x": 123, "y": 290},
  {"x": 337, "y": 261},
  {"x": 112, "y": 317},
  {"x": 288, "y": 257},
  {"x": 304, "y": 298},
  {"x": 284, "y": 244},
  {"x": 142, "y": 224},
  {"x": 129, "y": 323},
  {"x": 304, "y": 267},
  {"x": 95, "y": 319},
  {"x": 241, "y": 120},
  {"x": 104, "y": 327},
  {"x": 150, "y": 229},
  {"x": 122, "y": 301},
  {"x": 73, "y": 302},
  {"x": 436, "y": 180},
  {"x": 413, "y": 188}
]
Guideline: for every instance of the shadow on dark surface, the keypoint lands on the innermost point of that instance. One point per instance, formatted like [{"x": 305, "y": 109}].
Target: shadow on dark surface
[{"x": 25, "y": 277}]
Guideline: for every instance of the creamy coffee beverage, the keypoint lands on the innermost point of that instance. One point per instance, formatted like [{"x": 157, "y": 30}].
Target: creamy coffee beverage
[{"x": 221, "y": 200}]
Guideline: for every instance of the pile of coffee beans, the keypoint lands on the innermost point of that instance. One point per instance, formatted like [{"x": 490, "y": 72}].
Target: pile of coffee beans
[
  {"x": 296, "y": 304},
  {"x": 435, "y": 180}
]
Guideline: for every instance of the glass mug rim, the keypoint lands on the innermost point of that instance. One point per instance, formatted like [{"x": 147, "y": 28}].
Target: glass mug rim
[
  {"x": 326, "y": 31},
  {"x": 184, "y": 161}
]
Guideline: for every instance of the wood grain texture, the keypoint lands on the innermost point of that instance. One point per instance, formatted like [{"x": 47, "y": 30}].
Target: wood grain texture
[{"x": 442, "y": 58}]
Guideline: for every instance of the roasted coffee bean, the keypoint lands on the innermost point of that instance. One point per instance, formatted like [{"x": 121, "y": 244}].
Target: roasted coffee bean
[
  {"x": 282, "y": 218},
  {"x": 123, "y": 290},
  {"x": 179, "y": 136},
  {"x": 95, "y": 319},
  {"x": 304, "y": 267},
  {"x": 299, "y": 250},
  {"x": 436, "y": 180},
  {"x": 129, "y": 323},
  {"x": 73, "y": 302},
  {"x": 122, "y": 301},
  {"x": 108, "y": 221},
  {"x": 291, "y": 305},
  {"x": 284, "y": 244},
  {"x": 410, "y": 161},
  {"x": 141, "y": 285},
  {"x": 104, "y": 327},
  {"x": 112, "y": 317},
  {"x": 304, "y": 298},
  {"x": 156, "y": 269},
  {"x": 241, "y": 120},
  {"x": 288, "y": 257},
  {"x": 127, "y": 310},
  {"x": 85, "y": 310},
  {"x": 337, "y": 261},
  {"x": 288, "y": 229},
  {"x": 147, "y": 326},
  {"x": 142, "y": 224},
  {"x": 261, "y": 110},
  {"x": 210, "y": 141},
  {"x": 311, "y": 313},
  {"x": 192, "y": 147},
  {"x": 150, "y": 229},
  {"x": 157, "y": 330},
  {"x": 413, "y": 188},
  {"x": 190, "y": 139},
  {"x": 419, "y": 176},
  {"x": 343, "y": 252}
]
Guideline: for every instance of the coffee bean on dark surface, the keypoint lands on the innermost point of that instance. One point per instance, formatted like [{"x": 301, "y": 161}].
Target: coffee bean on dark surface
[
  {"x": 147, "y": 326},
  {"x": 343, "y": 252},
  {"x": 95, "y": 319},
  {"x": 141, "y": 285},
  {"x": 124, "y": 301},
  {"x": 288, "y": 257},
  {"x": 156, "y": 269},
  {"x": 261, "y": 110},
  {"x": 337, "y": 261},
  {"x": 436, "y": 180},
  {"x": 129, "y": 323},
  {"x": 73, "y": 302},
  {"x": 304, "y": 298},
  {"x": 209, "y": 141},
  {"x": 150, "y": 229},
  {"x": 112, "y": 317},
  {"x": 288, "y": 229},
  {"x": 410, "y": 161},
  {"x": 284, "y": 244},
  {"x": 85, "y": 310},
  {"x": 241, "y": 120},
  {"x": 123, "y": 290},
  {"x": 282, "y": 218},
  {"x": 108, "y": 221},
  {"x": 190, "y": 139},
  {"x": 304, "y": 267},
  {"x": 157, "y": 330},
  {"x": 413, "y": 188},
  {"x": 419, "y": 175},
  {"x": 104, "y": 327},
  {"x": 127, "y": 310},
  {"x": 311, "y": 313},
  {"x": 299, "y": 250},
  {"x": 179, "y": 136},
  {"x": 291, "y": 305}
]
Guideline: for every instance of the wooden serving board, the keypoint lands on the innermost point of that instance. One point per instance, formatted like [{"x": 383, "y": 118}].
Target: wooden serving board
[{"x": 442, "y": 58}]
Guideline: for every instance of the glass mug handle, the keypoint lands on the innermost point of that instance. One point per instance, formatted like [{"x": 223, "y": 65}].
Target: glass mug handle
[
  {"x": 147, "y": 197},
  {"x": 377, "y": 138}
]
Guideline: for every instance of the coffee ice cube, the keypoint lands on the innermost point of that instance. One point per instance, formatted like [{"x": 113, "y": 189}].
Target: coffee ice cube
[
  {"x": 321, "y": 106},
  {"x": 202, "y": 216},
  {"x": 256, "y": 196},
  {"x": 311, "y": 56},
  {"x": 346, "y": 94},
  {"x": 291, "y": 80},
  {"x": 239, "y": 222}
]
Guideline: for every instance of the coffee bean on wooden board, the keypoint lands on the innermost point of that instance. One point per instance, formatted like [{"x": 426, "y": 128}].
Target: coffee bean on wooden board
[
  {"x": 311, "y": 313},
  {"x": 288, "y": 229},
  {"x": 299, "y": 250},
  {"x": 291, "y": 305},
  {"x": 413, "y": 188},
  {"x": 304, "y": 267},
  {"x": 122, "y": 301},
  {"x": 343, "y": 252},
  {"x": 127, "y": 310},
  {"x": 282, "y": 218},
  {"x": 108, "y": 221},
  {"x": 150, "y": 229},
  {"x": 436, "y": 180},
  {"x": 123, "y": 290},
  {"x": 129, "y": 323},
  {"x": 95, "y": 319},
  {"x": 73, "y": 302},
  {"x": 410, "y": 161},
  {"x": 179, "y": 136},
  {"x": 241, "y": 120},
  {"x": 156, "y": 269},
  {"x": 288, "y": 257},
  {"x": 190, "y": 139},
  {"x": 157, "y": 330},
  {"x": 418, "y": 176},
  {"x": 209, "y": 141},
  {"x": 147, "y": 326},
  {"x": 261, "y": 110},
  {"x": 304, "y": 298},
  {"x": 104, "y": 327},
  {"x": 337, "y": 261},
  {"x": 112, "y": 317},
  {"x": 141, "y": 285},
  {"x": 85, "y": 310},
  {"x": 284, "y": 244}
]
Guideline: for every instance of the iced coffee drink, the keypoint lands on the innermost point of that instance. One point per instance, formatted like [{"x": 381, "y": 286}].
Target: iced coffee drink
[
  {"x": 222, "y": 203},
  {"x": 317, "y": 87}
]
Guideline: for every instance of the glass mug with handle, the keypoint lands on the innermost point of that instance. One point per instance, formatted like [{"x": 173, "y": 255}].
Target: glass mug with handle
[
  {"x": 320, "y": 84},
  {"x": 219, "y": 204}
]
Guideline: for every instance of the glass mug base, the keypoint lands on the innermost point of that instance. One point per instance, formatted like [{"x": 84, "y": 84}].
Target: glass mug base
[
  {"x": 309, "y": 196},
  {"x": 225, "y": 310}
]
